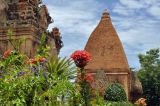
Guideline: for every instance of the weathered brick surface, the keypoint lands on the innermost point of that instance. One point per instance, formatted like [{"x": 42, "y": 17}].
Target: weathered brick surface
[
  {"x": 27, "y": 19},
  {"x": 108, "y": 56}
]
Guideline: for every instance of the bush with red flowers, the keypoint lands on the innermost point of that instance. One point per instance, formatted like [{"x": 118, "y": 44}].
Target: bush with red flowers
[
  {"x": 81, "y": 58},
  {"x": 42, "y": 59},
  {"x": 41, "y": 82},
  {"x": 141, "y": 102},
  {"x": 6, "y": 53},
  {"x": 88, "y": 77},
  {"x": 35, "y": 61},
  {"x": 32, "y": 61}
]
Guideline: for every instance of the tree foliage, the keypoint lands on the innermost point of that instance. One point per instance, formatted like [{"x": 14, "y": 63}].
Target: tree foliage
[
  {"x": 149, "y": 75},
  {"x": 115, "y": 92}
]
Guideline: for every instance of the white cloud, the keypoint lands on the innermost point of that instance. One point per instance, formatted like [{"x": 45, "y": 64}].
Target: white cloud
[
  {"x": 133, "y": 4},
  {"x": 75, "y": 17},
  {"x": 137, "y": 30},
  {"x": 133, "y": 7},
  {"x": 76, "y": 20},
  {"x": 150, "y": 2},
  {"x": 154, "y": 11},
  {"x": 137, "y": 36},
  {"x": 120, "y": 9}
]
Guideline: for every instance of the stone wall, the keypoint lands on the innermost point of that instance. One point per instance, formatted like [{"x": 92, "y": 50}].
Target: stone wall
[{"x": 27, "y": 19}]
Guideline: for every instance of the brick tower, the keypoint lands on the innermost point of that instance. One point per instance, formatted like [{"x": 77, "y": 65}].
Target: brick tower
[
  {"x": 109, "y": 63},
  {"x": 27, "y": 19}
]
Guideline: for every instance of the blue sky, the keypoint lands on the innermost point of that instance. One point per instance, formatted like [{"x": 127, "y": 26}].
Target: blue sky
[{"x": 137, "y": 23}]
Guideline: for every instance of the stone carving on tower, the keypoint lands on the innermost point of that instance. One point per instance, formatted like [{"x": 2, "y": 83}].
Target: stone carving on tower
[
  {"x": 3, "y": 9},
  {"x": 27, "y": 19}
]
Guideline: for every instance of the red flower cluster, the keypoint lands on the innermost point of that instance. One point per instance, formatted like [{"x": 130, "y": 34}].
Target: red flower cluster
[
  {"x": 35, "y": 61},
  {"x": 42, "y": 59},
  {"x": 141, "y": 102},
  {"x": 32, "y": 61},
  {"x": 81, "y": 58},
  {"x": 88, "y": 77},
  {"x": 6, "y": 53}
]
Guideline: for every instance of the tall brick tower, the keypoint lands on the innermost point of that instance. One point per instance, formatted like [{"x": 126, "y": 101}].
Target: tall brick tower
[
  {"x": 27, "y": 19},
  {"x": 109, "y": 63}
]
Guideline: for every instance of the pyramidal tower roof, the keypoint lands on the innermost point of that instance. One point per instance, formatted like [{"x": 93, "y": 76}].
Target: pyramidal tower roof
[{"x": 106, "y": 48}]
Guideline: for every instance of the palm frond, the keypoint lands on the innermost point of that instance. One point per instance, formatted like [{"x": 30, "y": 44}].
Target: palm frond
[{"x": 61, "y": 68}]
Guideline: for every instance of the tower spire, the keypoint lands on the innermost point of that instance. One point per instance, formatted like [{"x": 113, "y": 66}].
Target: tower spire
[{"x": 105, "y": 14}]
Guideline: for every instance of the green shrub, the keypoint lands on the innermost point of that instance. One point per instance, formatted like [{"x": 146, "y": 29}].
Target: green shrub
[
  {"x": 43, "y": 81},
  {"x": 115, "y": 92},
  {"x": 119, "y": 104}
]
